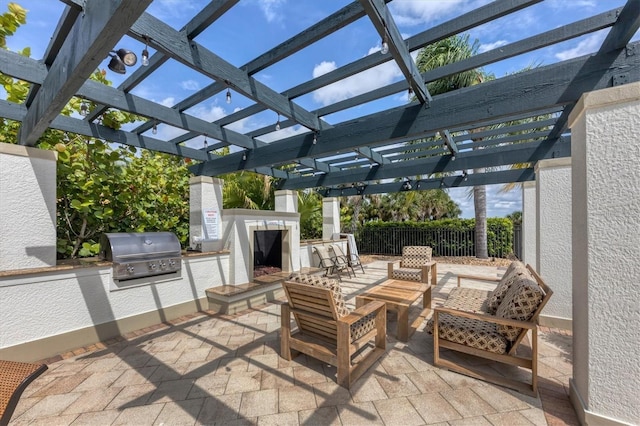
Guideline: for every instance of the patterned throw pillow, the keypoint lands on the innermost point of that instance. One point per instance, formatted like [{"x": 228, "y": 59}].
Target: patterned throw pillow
[
  {"x": 415, "y": 256},
  {"x": 324, "y": 282},
  {"x": 520, "y": 303},
  {"x": 514, "y": 272}
]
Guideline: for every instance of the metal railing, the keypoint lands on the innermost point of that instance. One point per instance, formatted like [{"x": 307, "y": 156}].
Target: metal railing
[{"x": 444, "y": 242}]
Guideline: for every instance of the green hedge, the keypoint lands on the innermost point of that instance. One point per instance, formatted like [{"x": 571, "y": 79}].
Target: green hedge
[{"x": 447, "y": 237}]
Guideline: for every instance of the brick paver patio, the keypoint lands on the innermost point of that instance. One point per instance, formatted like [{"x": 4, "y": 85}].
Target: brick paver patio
[{"x": 221, "y": 369}]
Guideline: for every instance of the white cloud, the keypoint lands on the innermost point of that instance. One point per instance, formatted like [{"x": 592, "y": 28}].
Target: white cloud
[
  {"x": 499, "y": 204},
  {"x": 491, "y": 46},
  {"x": 168, "y": 102},
  {"x": 190, "y": 85},
  {"x": 419, "y": 12},
  {"x": 271, "y": 9},
  {"x": 588, "y": 45},
  {"x": 349, "y": 87}
]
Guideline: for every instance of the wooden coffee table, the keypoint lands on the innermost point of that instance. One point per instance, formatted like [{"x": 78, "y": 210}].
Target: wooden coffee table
[{"x": 399, "y": 296}]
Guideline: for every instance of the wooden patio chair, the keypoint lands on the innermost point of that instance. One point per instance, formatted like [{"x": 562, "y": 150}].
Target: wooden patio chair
[
  {"x": 328, "y": 331},
  {"x": 14, "y": 379},
  {"x": 493, "y": 328},
  {"x": 352, "y": 259},
  {"x": 415, "y": 265},
  {"x": 332, "y": 264}
]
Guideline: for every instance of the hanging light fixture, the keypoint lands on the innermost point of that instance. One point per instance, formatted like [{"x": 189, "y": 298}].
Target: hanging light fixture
[
  {"x": 278, "y": 122},
  {"x": 315, "y": 138},
  {"x": 154, "y": 129},
  {"x": 384, "y": 49},
  {"x": 145, "y": 53},
  {"x": 244, "y": 155},
  {"x": 206, "y": 144},
  {"x": 121, "y": 58},
  {"x": 228, "y": 96},
  {"x": 84, "y": 109}
]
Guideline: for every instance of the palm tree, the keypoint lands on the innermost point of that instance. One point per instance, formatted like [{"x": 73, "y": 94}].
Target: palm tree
[{"x": 447, "y": 51}]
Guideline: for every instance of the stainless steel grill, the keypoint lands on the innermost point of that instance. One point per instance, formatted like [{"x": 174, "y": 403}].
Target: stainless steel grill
[{"x": 141, "y": 254}]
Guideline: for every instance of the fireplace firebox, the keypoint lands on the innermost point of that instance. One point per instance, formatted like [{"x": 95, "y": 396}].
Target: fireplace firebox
[{"x": 267, "y": 252}]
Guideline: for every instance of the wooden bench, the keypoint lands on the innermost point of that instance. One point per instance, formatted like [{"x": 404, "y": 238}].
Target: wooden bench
[
  {"x": 14, "y": 379},
  {"x": 493, "y": 325}
]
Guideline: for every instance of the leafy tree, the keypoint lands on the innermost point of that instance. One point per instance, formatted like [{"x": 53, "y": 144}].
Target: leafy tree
[
  {"x": 102, "y": 187},
  {"x": 515, "y": 217},
  {"x": 447, "y": 51}
]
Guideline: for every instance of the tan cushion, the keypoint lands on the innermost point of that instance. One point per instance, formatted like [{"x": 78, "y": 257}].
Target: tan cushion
[
  {"x": 470, "y": 332},
  {"x": 407, "y": 274},
  {"x": 514, "y": 271},
  {"x": 467, "y": 299},
  {"x": 415, "y": 256},
  {"x": 324, "y": 282},
  {"x": 520, "y": 303}
]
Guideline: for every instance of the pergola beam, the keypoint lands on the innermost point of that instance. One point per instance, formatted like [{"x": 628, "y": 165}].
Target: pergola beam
[
  {"x": 539, "y": 88},
  {"x": 521, "y": 153},
  {"x": 164, "y": 38},
  {"x": 90, "y": 40},
  {"x": 388, "y": 30},
  {"x": 489, "y": 178}
]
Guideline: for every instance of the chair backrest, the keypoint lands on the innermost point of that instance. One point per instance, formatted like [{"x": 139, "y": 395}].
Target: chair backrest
[
  {"x": 337, "y": 249},
  {"x": 323, "y": 253},
  {"x": 415, "y": 256},
  {"x": 316, "y": 304}
]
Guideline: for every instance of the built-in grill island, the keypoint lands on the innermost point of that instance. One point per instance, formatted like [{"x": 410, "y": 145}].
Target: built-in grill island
[{"x": 141, "y": 254}]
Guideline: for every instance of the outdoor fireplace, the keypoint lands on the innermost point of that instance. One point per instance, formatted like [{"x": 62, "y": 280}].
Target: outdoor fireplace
[{"x": 267, "y": 252}]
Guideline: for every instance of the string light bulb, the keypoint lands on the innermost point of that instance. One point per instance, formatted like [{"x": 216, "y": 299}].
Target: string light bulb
[
  {"x": 84, "y": 109},
  {"x": 145, "y": 53},
  {"x": 228, "y": 96},
  {"x": 315, "y": 138},
  {"x": 278, "y": 123},
  {"x": 244, "y": 156},
  {"x": 154, "y": 129},
  {"x": 206, "y": 144},
  {"x": 384, "y": 49}
]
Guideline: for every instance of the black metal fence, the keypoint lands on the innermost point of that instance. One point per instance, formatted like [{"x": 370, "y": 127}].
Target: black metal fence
[{"x": 444, "y": 242}]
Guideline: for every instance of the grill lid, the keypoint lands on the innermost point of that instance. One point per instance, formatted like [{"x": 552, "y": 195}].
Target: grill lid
[{"x": 131, "y": 246}]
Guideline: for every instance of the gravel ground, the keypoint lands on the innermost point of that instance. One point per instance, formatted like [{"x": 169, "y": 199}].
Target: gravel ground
[{"x": 463, "y": 260}]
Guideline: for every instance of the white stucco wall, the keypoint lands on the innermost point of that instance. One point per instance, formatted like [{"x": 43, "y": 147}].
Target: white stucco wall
[
  {"x": 605, "y": 125},
  {"x": 286, "y": 201},
  {"x": 27, "y": 207},
  {"x": 529, "y": 221},
  {"x": 553, "y": 245},
  {"x": 205, "y": 194},
  {"x": 330, "y": 217},
  {"x": 40, "y": 305}
]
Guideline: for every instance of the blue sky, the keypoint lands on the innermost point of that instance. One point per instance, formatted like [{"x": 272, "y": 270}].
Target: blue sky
[{"x": 254, "y": 26}]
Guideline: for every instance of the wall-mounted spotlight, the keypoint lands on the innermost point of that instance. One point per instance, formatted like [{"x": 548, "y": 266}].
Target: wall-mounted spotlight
[{"x": 121, "y": 58}]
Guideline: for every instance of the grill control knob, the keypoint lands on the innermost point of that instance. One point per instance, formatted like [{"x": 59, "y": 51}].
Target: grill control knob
[
  {"x": 172, "y": 263},
  {"x": 153, "y": 266},
  {"x": 163, "y": 264},
  {"x": 130, "y": 269}
]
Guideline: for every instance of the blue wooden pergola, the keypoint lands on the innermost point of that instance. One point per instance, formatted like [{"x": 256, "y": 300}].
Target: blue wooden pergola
[{"x": 516, "y": 119}]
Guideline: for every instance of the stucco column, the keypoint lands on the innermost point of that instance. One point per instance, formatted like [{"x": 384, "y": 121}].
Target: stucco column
[
  {"x": 205, "y": 217},
  {"x": 330, "y": 217},
  {"x": 553, "y": 245},
  {"x": 529, "y": 223},
  {"x": 27, "y": 207},
  {"x": 605, "y": 125},
  {"x": 287, "y": 201}
]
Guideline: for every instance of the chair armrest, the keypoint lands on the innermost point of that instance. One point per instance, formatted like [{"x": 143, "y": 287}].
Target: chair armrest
[
  {"x": 485, "y": 317},
  {"x": 477, "y": 278},
  {"x": 363, "y": 311},
  {"x": 391, "y": 266}
]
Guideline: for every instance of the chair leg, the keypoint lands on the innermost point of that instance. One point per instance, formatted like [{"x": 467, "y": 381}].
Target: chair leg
[{"x": 285, "y": 331}]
